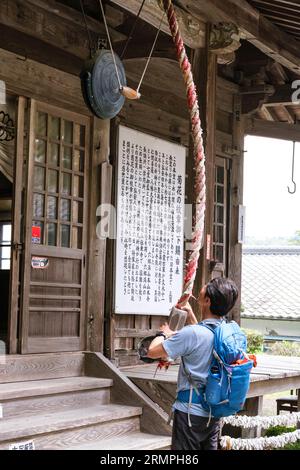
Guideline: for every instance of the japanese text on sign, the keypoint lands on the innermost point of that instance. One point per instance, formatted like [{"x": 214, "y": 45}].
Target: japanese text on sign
[{"x": 150, "y": 224}]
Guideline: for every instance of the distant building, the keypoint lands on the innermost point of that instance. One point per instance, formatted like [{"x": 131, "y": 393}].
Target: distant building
[{"x": 271, "y": 292}]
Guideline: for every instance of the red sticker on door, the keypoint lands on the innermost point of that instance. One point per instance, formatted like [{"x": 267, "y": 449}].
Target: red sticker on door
[{"x": 35, "y": 234}]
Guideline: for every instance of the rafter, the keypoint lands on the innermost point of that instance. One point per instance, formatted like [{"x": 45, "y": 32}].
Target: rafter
[
  {"x": 273, "y": 130},
  {"x": 254, "y": 26},
  {"x": 192, "y": 29}
]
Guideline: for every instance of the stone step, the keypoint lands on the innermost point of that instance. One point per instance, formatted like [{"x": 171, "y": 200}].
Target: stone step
[
  {"x": 18, "y": 368},
  {"x": 64, "y": 429},
  {"x": 131, "y": 441},
  {"x": 34, "y": 397}
]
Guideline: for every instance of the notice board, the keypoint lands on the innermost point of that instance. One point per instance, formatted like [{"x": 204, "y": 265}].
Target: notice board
[{"x": 150, "y": 223}]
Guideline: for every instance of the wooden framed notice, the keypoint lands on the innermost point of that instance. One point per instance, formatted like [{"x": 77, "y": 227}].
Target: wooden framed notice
[{"x": 150, "y": 224}]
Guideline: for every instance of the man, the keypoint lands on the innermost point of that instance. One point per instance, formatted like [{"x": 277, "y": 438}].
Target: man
[{"x": 192, "y": 428}]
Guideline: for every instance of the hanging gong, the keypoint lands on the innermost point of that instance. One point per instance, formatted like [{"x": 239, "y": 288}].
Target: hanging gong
[{"x": 100, "y": 85}]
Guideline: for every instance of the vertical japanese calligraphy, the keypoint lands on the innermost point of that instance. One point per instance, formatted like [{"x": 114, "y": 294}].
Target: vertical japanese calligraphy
[{"x": 150, "y": 223}]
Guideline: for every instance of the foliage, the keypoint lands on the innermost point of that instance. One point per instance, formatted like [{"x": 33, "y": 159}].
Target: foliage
[
  {"x": 285, "y": 348},
  {"x": 295, "y": 446},
  {"x": 277, "y": 430},
  {"x": 296, "y": 239},
  {"x": 255, "y": 341}
]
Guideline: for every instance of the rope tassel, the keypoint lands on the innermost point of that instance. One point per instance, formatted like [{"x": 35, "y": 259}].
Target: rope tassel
[{"x": 199, "y": 156}]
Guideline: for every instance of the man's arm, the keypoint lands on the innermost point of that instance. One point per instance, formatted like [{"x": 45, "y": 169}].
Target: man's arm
[
  {"x": 191, "y": 317},
  {"x": 156, "y": 349}
]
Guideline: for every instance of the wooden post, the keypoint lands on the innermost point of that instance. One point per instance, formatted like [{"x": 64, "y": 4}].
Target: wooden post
[
  {"x": 205, "y": 76},
  {"x": 298, "y": 405},
  {"x": 110, "y": 318},
  {"x": 236, "y": 198},
  {"x": 253, "y": 407},
  {"x": 97, "y": 247},
  {"x": 16, "y": 235}
]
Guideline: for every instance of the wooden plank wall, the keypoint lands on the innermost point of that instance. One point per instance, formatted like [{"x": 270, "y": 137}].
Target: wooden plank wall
[{"x": 160, "y": 114}]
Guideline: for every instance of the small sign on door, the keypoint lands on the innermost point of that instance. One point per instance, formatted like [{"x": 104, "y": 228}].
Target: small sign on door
[
  {"x": 39, "y": 263},
  {"x": 35, "y": 234}
]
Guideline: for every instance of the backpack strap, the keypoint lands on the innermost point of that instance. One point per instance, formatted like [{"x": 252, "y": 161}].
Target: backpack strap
[{"x": 211, "y": 328}]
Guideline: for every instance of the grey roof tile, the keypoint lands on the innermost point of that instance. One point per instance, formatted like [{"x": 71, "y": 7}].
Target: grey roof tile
[{"x": 271, "y": 283}]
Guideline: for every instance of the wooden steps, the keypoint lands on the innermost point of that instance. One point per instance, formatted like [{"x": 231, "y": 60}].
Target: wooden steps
[
  {"x": 130, "y": 441},
  {"x": 41, "y": 366},
  {"x": 30, "y": 398},
  {"x": 70, "y": 427},
  {"x": 47, "y": 399}
]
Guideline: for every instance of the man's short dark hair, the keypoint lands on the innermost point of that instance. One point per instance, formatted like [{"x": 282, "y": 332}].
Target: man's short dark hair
[{"x": 223, "y": 294}]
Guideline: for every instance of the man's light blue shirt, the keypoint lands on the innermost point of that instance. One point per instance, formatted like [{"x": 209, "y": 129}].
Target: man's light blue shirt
[{"x": 195, "y": 344}]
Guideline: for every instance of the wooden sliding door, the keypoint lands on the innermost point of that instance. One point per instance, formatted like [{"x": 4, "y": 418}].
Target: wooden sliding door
[{"x": 54, "y": 271}]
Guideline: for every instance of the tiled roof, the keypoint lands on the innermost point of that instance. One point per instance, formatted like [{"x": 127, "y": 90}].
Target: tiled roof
[{"x": 271, "y": 283}]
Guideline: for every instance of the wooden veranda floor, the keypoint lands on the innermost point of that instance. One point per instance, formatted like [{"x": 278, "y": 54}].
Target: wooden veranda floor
[{"x": 273, "y": 374}]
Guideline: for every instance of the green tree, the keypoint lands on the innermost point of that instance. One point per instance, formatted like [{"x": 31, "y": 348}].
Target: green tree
[{"x": 296, "y": 239}]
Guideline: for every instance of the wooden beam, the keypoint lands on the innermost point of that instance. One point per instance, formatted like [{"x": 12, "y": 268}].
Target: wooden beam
[
  {"x": 258, "y": 30},
  {"x": 204, "y": 66},
  {"x": 283, "y": 95},
  {"x": 273, "y": 130},
  {"x": 28, "y": 47},
  {"x": 160, "y": 74},
  {"x": 192, "y": 28},
  {"x": 254, "y": 97},
  {"x": 134, "y": 333},
  {"x": 278, "y": 73},
  {"x": 288, "y": 116},
  {"x": 53, "y": 24},
  {"x": 266, "y": 113},
  {"x": 32, "y": 79}
]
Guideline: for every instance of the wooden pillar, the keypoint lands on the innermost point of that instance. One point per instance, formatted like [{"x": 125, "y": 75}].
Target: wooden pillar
[
  {"x": 99, "y": 193},
  {"x": 298, "y": 405},
  {"x": 236, "y": 199},
  {"x": 253, "y": 407},
  {"x": 16, "y": 234},
  {"x": 204, "y": 65}
]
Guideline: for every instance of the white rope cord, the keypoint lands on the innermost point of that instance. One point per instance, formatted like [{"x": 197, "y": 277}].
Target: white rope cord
[
  {"x": 265, "y": 422},
  {"x": 260, "y": 443},
  {"x": 110, "y": 44},
  {"x": 150, "y": 55}
]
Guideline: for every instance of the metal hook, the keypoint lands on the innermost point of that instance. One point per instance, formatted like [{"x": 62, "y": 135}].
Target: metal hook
[{"x": 293, "y": 170}]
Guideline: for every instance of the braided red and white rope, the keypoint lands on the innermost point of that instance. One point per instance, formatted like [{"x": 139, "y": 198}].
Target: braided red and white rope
[{"x": 199, "y": 156}]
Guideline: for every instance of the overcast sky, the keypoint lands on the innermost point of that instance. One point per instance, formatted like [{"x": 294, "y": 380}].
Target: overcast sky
[{"x": 271, "y": 210}]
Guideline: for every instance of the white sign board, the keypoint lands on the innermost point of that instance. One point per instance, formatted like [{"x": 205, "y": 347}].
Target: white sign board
[
  {"x": 150, "y": 224},
  {"x": 242, "y": 220}
]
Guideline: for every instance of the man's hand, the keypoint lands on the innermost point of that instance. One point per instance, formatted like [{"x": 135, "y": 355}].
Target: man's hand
[
  {"x": 191, "y": 317},
  {"x": 166, "y": 330}
]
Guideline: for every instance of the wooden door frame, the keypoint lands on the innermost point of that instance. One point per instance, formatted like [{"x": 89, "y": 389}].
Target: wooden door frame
[
  {"x": 29, "y": 249},
  {"x": 225, "y": 163},
  {"x": 16, "y": 229}
]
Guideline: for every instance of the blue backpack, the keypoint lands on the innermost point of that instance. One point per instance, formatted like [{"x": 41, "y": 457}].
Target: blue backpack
[{"x": 229, "y": 374}]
